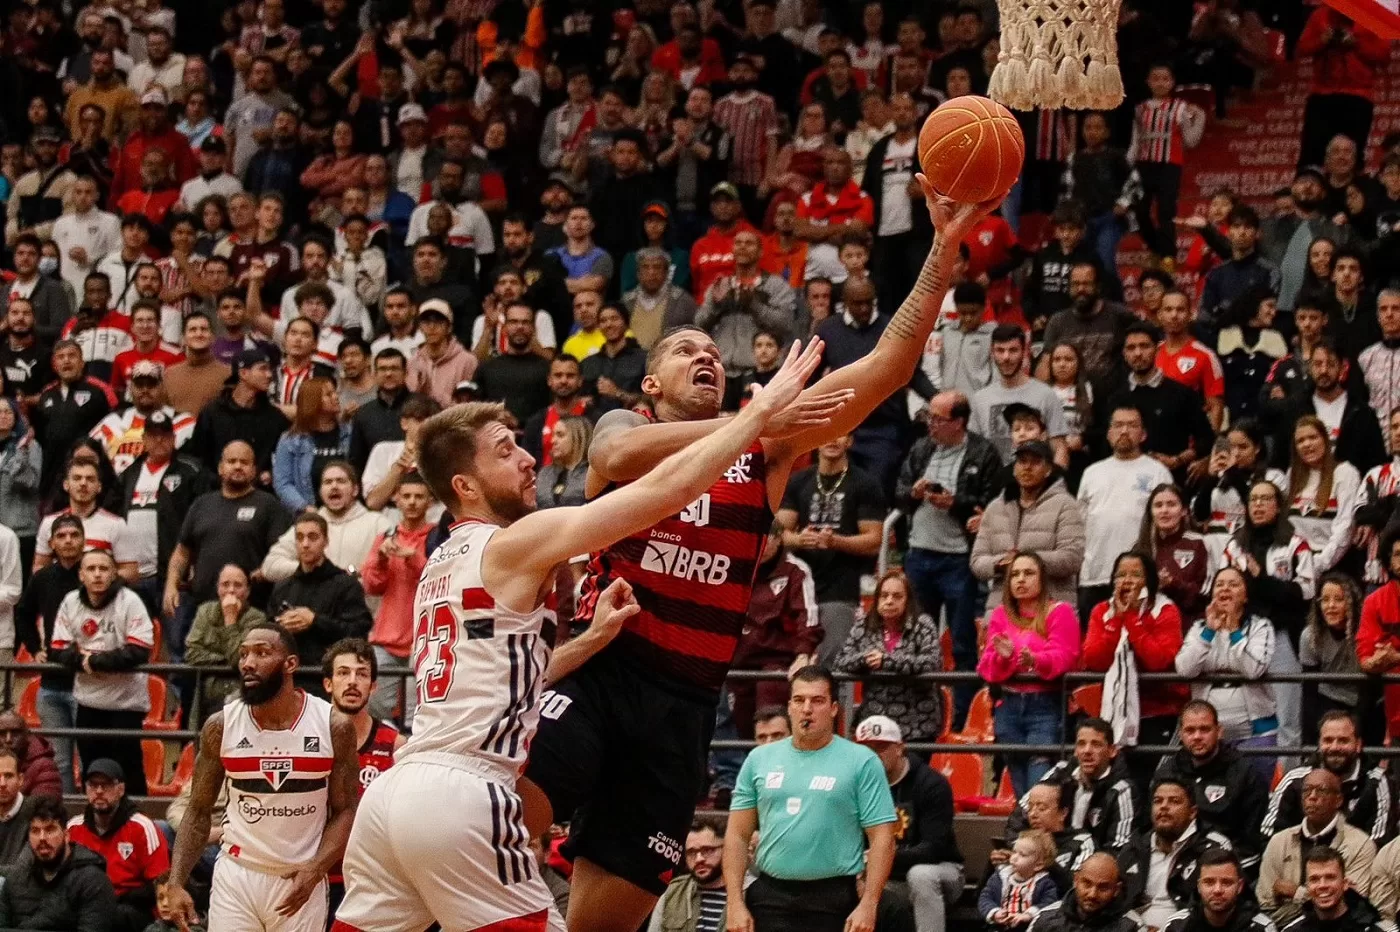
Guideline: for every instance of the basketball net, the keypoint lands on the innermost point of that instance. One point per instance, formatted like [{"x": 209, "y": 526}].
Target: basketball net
[{"x": 1058, "y": 53}]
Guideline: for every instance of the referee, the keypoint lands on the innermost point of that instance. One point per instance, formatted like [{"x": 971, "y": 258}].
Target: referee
[{"x": 815, "y": 800}]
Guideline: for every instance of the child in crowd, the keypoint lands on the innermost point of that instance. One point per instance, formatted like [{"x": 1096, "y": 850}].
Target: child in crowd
[
  {"x": 1021, "y": 888},
  {"x": 1164, "y": 127}
]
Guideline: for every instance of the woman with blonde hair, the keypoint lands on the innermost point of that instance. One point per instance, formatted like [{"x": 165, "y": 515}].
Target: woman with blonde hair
[
  {"x": 1321, "y": 493},
  {"x": 562, "y": 481},
  {"x": 897, "y": 638},
  {"x": 1029, "y": 635},
  {"x": 316, "y": 437}
]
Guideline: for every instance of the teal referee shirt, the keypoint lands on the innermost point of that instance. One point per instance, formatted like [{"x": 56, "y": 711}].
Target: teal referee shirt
[{"x": 813, "y": 807}]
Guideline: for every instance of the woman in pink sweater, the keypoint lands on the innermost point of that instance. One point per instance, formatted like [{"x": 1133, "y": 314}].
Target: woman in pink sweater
[{"x": 1029, "y": 636}]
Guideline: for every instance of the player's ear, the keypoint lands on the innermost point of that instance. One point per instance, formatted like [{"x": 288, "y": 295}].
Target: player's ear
[
  {"x": 293, "y": 663},
  {"x": 651, "y": 384},
  {"x": 463, "y": 485}
]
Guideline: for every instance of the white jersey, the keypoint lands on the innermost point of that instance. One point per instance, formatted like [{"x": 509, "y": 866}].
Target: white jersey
[
  {"x": 278, "y": 786},
  {"x": 479, "y": 666}
]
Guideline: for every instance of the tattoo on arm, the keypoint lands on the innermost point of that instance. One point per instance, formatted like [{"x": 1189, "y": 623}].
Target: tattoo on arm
[
  {"x": 193, "y": 835},
  {"x": 926, "y": 298}
]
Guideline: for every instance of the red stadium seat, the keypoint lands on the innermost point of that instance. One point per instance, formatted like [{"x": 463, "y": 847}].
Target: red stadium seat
[
  {"x": 1005, "y": 802},
  {"x": 945, "y": 643},
  {"x": 964, "y": 773},
  {"x": 29, "y": 704},
  {"x": 156, "y": 719},
  {"x": 978, "y": 729},
  {"x": 154, "y": 754},
  {"x": 1087, "y": 700}
]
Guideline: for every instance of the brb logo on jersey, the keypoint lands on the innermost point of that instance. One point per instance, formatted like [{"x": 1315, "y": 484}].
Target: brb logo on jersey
[
  {"x": 275, "y": 771},
  {"x": 683, "y": 563}
]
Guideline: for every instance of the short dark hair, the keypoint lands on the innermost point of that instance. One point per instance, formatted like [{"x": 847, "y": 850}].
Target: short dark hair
[
  {"x": 195, "y": 315},
  {"x": 1069, "y": 213},
  {"x": 29, "y": 239},
  {"x": 420, "y": 407},
  {"x": 352, "y": 339},
  {"x": 1007, "y": 333},
  {"x": 696, "y": 825},
  {"x": 1215, "y": 856},
  {"x": 1244, "y": 215},
  {"x": 48, "y": 809},
  {"x": 1100, "y": 725},
  {"x": 285, "y": 637},
  {"x": 970, "y": 293},
  {"x": 1324, "y": 854},
  {"x": 315, "y": 290},
  {"x": 1169, "y": 780},
  {"x": 815, "y": 673},
  {"x": 769, "y": 712},
  {"x": 312, "y": 517},
  {"x": 389, "y": 352},
  {"x": 1338, "y": 715},
  {"x": 1199, "y": 705},
  {"x": 1137, "y": 326},
  {"x": 315, "y": 327},
  {"x": 357, "y": 647}
]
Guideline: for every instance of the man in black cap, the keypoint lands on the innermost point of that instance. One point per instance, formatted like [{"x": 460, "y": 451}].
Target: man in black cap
[
  {"x": 37, "y": 199},
  {"x": 558, "y": 196},
  {"x": 156, "y": 491},
  {"x": 213, "y": 177},
  {"x": 134, "y": 849},
  {"x": 1285, "y": 243},
  {"x": 243, "y": 411}
]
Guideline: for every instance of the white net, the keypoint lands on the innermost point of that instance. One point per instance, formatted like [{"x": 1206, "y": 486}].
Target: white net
[{"x": 1058, "y": 53}]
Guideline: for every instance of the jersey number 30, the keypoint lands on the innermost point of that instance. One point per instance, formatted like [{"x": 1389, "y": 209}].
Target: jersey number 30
[{"x": 434, "y": 655}]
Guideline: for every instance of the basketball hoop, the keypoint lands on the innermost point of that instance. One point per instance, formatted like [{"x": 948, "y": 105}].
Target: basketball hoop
[{"x": 1058, "y": 53}]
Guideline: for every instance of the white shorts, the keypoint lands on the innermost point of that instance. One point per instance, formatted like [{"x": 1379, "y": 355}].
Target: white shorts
[
  {"x": 435, "y": 841},
  {"x": 245, "y": 900}
]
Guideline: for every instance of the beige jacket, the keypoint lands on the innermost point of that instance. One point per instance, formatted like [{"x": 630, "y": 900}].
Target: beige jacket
[
  {"x": 1283, "y": 860},
  {"x": 1385, "y": 881}
]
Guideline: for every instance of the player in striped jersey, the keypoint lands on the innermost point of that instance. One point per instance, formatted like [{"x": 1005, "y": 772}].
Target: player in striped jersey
[
  {"x": 624, "y": 751},
  {"x": 441, "y": 835},
  {"x": 292, "y": 774}
]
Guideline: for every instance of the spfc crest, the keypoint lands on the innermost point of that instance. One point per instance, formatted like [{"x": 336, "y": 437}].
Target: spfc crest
[
  {"x": 125, "y": 848},
  {"x": 1214, "y": 793},
  {"x": 275, "y": 770}
]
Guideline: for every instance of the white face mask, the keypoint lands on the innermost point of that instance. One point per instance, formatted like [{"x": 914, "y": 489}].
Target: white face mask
[{"x": 48, "y": 265}]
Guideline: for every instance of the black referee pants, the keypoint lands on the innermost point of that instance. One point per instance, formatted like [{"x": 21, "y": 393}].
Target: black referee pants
[{"x": 801, "y": 905}]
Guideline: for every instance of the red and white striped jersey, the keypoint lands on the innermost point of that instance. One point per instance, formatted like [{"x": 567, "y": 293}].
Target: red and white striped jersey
[
  {"x": 1380, "y": 482},
  {"x": 122, "y": 434},
  {"x": 1380, "y": 369},
  {"x": 120, "y": 621},
  {"x": 288, "y": 382},
  {"x": 1159, "y": 131},
  {"x": 479, "y": 666},
  {"x": 278, "y": 786},
  {"x": 751, "y": 119}
]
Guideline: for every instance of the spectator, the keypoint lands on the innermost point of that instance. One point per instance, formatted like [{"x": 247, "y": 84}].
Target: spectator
[
  {"x": 1330, "y": 899},
  {"x": 24, "y": 361},
  {"x": 1186, "y": 360},
  {"x": 217, "y": 631},
  {"x": 896, "y": 199},
  {"x": 82, "y": 481},
  {"x": 34, "y": 626},
  {"x": 1328, "y": 643},
  {"x": 1016, "y": 892},
  {"x": 959, "y": 354},
  {"x": 37, "y": 775},
  {"x": 154, "y": 133},
  {"x": 563, "y": 480},
  {"x": 377, "y": 420},
  {"x": 1035, "y": 514},
  {"x": 834, "y": 207},
  {"x": 84, "y": 234},
  {"x": 351, "y": 526},
  {"x": 587, "y": 267},
  {"x": 1376, "y": 360},
  {"x": 194, "y": 383},
  {"x": 900, "y": 639},
  {"x": 694, "y": 157},
  {"x": 739, "y": 305},
  {"x": 1012, "y": 385},
  {"x": 1100, "y": 798},
  {"x": 21, "y": 461},
  {"x": 100, "y": 655},
  {"x": 784, "y": 255},
  {"x": 1164, "y": 127},
  {"x": 1104, "y": 180},
  {"x": 586, "y": 338},
  {"x": 244, "y": 411},
  {"x": 1219, "y": 498},
  {"x": 317, "y": 435},
  {"x": 136, "y": 852},
  {"x": 1322, "y": 493},
  {"x": 928, "y": 867},
  {"x": 67, "y": 410},
  {"x": 1041, "y": 641},
  {"x": 393, "y": 460},
  {"x": 396, "y": 560},
  {"x": 1284, "y": 245},
  {"x": 1230, "y": 794},
  {"x": 657, "y": 304},
  {"x": 1046, "y": 810},
  {"x": 1152, "y": 624},
  {"x": 1159, "y": 886},
  {"x": 40, "y": 196},
  {"x": 1094, "y": 326},
  {"x": 1048, "y": 286},
  {"x": 695, "y": 901},
  {"x": 1095, "y": 902},
  {"x": 1322, "y": 824},
  {"x": 340, "y": 167},
  {"x": 712, "y": 255},
  {"x": 14, "y": 811},
  {"x": 148, "y": 348},
  {"x": 442, "y": 361},
  {"x": 56, "y": 884},
  {"x": 1365, "y": 794},
  {"x": 1249, "y": 346},
  {"x": 236, "y": 524},
  {"x": 1288, "y": 381},
  {"x": 945, "y": 485},
  {"x": 320, "y": 603},
  {"x": 1112, "y": 494},
  {"x": 1222, "y": 901},
  {"x": 1245, "y": 272},
  {"x": 519, "y": 376},
  {"x": 1282, "y": 580},
  {"x": 50, "y": 308},
  {"x": 833, "y": 515},
  {"x": 213, "y": 177},
  {"x": 807, "y": 866}
]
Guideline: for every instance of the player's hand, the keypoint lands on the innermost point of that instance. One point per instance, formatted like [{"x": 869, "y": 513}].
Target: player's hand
[
  {"x": 952, "y": 219},
  {"x": 862, "y": 919},
  {"x": 304, "y": 883},
  {"x": 739, "y": 919},
  {"x": 615, "y": 606},
  {"x": 180, "y": 905},
  {"x": 788, "y": 410}
]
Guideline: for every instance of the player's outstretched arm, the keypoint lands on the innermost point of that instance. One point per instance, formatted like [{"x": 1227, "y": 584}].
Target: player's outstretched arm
[
  {"x": 532, "y": 545},
  {"x": 890, "y": 366},
  {"x": 342, "y": 797},
  {"x": 193, "y": 836}
]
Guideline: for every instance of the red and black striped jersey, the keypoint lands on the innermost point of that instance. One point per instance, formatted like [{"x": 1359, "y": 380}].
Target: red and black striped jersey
[
  {"x": 377, "y": 753},
  {"x": 692, "y": 574}
]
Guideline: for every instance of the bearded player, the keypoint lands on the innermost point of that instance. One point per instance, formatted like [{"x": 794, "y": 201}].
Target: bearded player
[
  {"x": 440, "y": 836},
  {"x": 623, "y": 744},
  {"x": 289, "y": 760}
]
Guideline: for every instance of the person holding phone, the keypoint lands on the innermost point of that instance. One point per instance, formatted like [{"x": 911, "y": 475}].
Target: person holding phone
[{"x": 949, "y": 477}]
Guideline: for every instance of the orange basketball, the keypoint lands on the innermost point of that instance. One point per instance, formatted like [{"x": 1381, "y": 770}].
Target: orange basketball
[{"x": 971, "y": 149}]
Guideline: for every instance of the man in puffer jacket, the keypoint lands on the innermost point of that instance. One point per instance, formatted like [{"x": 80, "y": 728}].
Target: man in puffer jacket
[
  {"x": 56, "y": 884},
  {"x": 1094, "y": 905},
  {"x": 38, "y": 771},
  {"x": 1035, "y": 514}
]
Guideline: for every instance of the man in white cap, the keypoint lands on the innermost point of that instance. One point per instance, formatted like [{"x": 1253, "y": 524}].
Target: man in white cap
[
  {"x": 155, "y": 132},
  {"x": 442, "y": 361},
  {"x": 416, "y": 162},
  {"x": 927, "y": 863}
]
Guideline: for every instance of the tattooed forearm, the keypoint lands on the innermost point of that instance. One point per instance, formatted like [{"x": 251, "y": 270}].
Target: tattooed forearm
[{"x": 917, "y": 315}]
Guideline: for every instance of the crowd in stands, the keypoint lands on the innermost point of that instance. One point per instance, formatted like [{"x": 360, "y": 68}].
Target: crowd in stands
[{"x": 251, "y": 247}]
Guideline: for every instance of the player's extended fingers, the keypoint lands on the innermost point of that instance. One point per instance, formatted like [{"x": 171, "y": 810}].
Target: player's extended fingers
[
  {"x": 930, "y": 192},
  {"x": 822, "y": 408},
  {"x": 810, "y": 359},
  {"x": 626, "y": 612}
]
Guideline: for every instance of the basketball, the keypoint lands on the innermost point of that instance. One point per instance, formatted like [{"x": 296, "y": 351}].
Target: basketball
[{"x": 971, "y": 149}]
